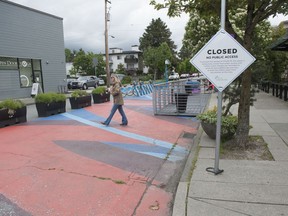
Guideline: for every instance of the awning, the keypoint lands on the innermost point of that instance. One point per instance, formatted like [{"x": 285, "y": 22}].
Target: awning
[{"x": 281, "y": 44}]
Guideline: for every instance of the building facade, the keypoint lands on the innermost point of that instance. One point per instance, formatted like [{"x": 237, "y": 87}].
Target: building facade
[
  {"x": 132, "y": 60},
  {"x": 31, "y": 51}
]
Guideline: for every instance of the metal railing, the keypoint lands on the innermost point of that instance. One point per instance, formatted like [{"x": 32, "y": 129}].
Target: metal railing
[
  {"x": 179, "y": 98},
  {"x": 279, "y": 90},
  {"x": 137, "y": 90}
]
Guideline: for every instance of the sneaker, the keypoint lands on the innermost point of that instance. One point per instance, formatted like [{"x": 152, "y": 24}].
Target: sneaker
[{"x": 124, "y": 124}]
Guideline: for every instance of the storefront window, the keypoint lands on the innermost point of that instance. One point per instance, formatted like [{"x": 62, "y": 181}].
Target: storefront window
[
  {"x": 25, "y": 68},
  {"x": 30, "y": 70},
  {"x": 36, "y": 64}
]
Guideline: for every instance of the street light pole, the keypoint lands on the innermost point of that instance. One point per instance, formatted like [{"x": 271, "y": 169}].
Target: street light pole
[
  {"x": 167, "y": 62},
  {"x": 106, "y": 45}
]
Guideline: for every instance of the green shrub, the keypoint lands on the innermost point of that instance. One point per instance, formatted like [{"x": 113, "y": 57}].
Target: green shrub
[
  {"x": 209, "y": 116},
  {"x": 126, "y": 80},
  {"x": 229, "y": 123},
  {"x": 79, "y": 93},
  {"x": 99, "y": 90},
  {"x": 11, "y": 104},
  {"x": 146, "y": 78},
  {"x": 50, "y": 97}
]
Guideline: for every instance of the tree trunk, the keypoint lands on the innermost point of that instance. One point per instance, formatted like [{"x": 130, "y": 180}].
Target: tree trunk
[
  {"x": 242, "y": 132},
  {"x": 155, "y": 74}
]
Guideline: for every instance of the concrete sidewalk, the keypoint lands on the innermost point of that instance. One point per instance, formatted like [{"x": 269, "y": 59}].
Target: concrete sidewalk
[{"x": 245, "y": 187}]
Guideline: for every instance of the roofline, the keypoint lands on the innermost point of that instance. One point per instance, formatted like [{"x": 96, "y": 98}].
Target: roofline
[
  {"x": 126, "y": 52},
  {"x": 280, "y": 44},
  {"x": 31, "y": 9}
]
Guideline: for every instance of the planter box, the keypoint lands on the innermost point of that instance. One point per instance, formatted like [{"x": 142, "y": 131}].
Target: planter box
[
  {"x": 101, "y": 98},
  {"x": 7, "y": 119},
  {"x": 80, "y": 102},
  {"x": 211, "y": 129},
  {"x": 53, "y": 108}
]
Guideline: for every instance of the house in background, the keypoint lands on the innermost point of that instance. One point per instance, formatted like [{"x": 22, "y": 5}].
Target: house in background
[{"x": 132, "y": 60}]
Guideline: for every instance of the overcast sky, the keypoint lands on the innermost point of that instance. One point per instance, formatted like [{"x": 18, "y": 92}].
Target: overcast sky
[{"x": 83, "y": 22}]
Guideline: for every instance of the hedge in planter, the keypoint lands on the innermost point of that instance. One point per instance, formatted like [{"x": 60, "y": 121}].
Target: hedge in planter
[
  {"x": 208, "y": 120},
  {"x": 80, "y": 99},
  {"x": 50, "y": 104},
  {"x": 12, "y": 112},
  {"x": 100, "y": 95}
]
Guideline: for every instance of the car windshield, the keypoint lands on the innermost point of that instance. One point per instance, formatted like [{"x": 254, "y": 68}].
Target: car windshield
[
  {"x": 82, "y": 78},
  {"x": 70, "y": 79}
]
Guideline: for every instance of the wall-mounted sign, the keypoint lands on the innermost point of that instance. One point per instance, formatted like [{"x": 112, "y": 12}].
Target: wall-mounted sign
[
  {"x": 25, "y": 63},
  {"x": 7, "y": 63},
  {"x": 222, "y": 60}
]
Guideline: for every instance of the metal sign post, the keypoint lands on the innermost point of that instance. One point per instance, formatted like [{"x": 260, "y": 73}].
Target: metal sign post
[
  {"x": 218, "y": 136},
  {"x": 216, "y": 170},
  {"x": 221, "y": 60}
]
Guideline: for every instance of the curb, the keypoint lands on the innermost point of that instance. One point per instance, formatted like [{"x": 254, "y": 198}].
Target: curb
[{"x": 180, "y": 201}]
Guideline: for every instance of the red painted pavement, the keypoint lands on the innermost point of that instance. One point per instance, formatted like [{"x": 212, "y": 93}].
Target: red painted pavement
[{"x": 43, "y": 178}]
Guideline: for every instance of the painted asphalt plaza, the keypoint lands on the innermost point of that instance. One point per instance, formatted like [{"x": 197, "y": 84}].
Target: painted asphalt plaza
[{"x": 70, "y": 164}]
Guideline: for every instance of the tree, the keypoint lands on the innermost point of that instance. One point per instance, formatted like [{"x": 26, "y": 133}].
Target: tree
[
  {"x": 121, "y": 69},
  {"x": 253, "y": 13},
  {"x": 156, "y": 34},
  {"x": 154, "y": 58},
  {"x": 100, "y": 68},
  {"x": 185, "y": 66},
  {"x": 83, "y": 63},
  {"x": 69, "y": 55},
  {"x": 198, "y": 32},
  {"x": 273, "y": 63}
]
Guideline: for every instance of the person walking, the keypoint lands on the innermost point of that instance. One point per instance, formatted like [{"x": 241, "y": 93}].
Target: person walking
[{"x": 115, "y": 91}]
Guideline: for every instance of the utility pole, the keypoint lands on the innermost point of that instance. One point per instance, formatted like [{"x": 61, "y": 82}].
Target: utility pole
[{"x": 106, "y": 44}]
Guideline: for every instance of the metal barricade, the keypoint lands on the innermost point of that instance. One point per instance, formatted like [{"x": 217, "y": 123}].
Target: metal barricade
[{"x": 176, "y": 98}]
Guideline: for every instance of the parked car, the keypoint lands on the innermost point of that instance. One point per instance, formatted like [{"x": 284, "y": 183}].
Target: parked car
[
  {"x": 69, "y": 82},
  {"x": 84, "y": 82},
  {"x": 101, "y": 81},
  {"x": 184, "y": 76},
  {"x": 173, "y": 76}
]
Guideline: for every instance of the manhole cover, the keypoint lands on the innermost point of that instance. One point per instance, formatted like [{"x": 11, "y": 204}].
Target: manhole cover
[{"x": 188, "y": 135}]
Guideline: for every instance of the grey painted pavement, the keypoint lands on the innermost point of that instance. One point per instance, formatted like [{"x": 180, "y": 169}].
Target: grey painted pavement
[{"x": 246, "y": 187}]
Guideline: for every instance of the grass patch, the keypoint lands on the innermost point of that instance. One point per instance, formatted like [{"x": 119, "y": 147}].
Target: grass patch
[{"x": 119, "y": 182}]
